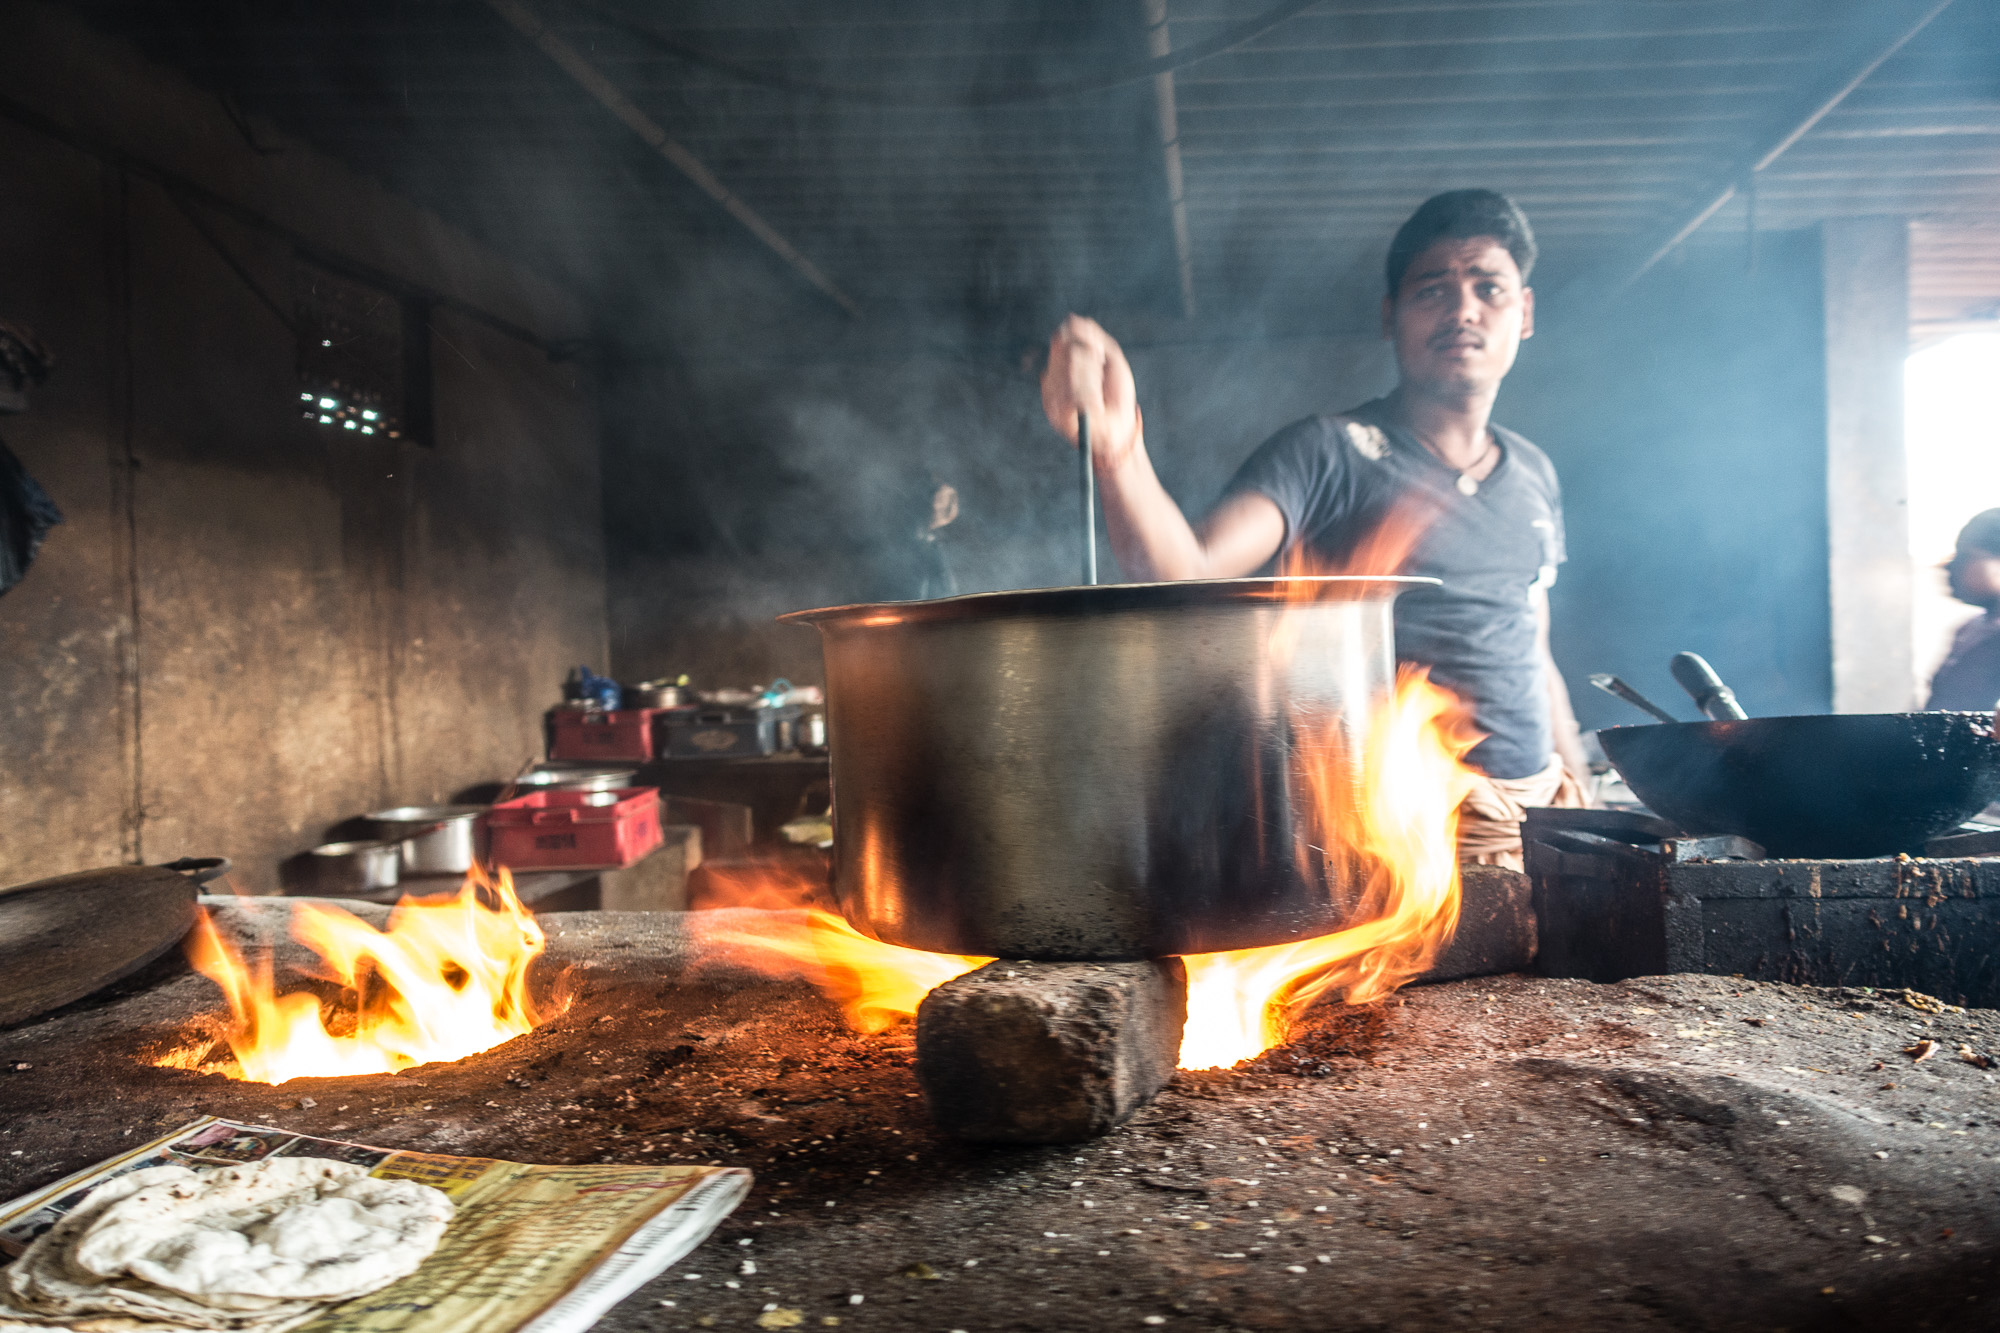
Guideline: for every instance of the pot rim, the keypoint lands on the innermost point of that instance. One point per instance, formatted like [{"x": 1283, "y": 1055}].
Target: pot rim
[
  {"x": 425, "y": 814},
  {"x": 1086, "y": 600}
]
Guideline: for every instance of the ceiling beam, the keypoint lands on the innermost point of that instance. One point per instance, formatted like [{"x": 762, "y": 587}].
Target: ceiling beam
[
  {"x": 1794, "y": 127},
  {"x": 1160, "y": 45},
  {"x": 572, "y": 63}
]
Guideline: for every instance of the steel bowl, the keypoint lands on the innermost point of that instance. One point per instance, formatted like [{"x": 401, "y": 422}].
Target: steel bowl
[
  {"x": 1098, "y": 772},
  {"x": 436, "y": 839},
  {"x": 349, "y": 868},
  {"x": 556, "y": 777}
]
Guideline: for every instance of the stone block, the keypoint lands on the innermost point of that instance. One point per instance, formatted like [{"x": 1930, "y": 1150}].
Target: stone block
[
  {"x": 1496, "y": 926},
  {"x": 658, "y": 881},
  {"x": 1022, "y": 1052}
]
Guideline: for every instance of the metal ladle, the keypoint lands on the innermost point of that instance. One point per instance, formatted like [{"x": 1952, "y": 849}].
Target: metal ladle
[
  {"x": 1087, "y": 483},
  {"x": 1613, "y": 686}
]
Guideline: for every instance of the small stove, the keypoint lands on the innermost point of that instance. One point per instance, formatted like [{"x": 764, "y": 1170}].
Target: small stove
[{"x": 1621, "y": 895}]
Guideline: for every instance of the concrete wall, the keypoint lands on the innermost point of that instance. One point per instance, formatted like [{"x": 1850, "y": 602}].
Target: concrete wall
[
  {"x": 251, "y": 628},
  {"x": 1866, "y": 262},
  {"x": 1688, "y": 423}
]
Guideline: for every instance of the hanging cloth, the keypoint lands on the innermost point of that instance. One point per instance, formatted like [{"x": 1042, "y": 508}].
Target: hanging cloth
[{"x": 26, "y": 515}]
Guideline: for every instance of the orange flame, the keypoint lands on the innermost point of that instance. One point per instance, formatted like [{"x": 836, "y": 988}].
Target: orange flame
[
  {"x": 446, "y": 979},
  {"x": 1392, "y": 823},
  {"x": 1388, "y": 826},
  {"x": 875, "y": 984},
  {"x": 1396, "y": 824}
]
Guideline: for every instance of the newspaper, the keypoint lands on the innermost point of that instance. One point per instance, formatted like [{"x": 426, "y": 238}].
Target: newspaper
[{"x": 533, "y": 1249}]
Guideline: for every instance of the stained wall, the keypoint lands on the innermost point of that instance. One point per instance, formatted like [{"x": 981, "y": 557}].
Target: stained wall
[{"x": 251, "y": 628}]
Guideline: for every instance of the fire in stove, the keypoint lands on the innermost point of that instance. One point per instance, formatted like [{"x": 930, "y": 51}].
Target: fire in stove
[
  {"x": 1395, "y": 818},
  {"x": 1392, "y": 818},
  {"x": 447, "y": 978}
]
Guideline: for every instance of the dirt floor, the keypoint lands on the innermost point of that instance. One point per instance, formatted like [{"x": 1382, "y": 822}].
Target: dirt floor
[{"x": 1510, "y": 1152}]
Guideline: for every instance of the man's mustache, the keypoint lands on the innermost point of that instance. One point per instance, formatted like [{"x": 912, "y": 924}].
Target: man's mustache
[{"x": 1446, "y": 338}]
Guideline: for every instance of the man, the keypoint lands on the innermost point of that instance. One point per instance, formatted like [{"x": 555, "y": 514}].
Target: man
[
  {"x": 1457, "y": 307},
  {"x": 912, "y": 564},
  {"x": 1969, "y": 680}
]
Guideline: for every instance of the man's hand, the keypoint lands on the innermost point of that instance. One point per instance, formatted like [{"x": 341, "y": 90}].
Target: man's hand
[{"x": 1088, "y": 373}]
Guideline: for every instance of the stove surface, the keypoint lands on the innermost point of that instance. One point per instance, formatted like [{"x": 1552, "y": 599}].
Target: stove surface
[{"x": 1510, "y": 1152}]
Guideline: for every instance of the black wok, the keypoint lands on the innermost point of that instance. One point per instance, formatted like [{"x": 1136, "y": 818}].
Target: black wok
[{"x": 1834, "y": 786}]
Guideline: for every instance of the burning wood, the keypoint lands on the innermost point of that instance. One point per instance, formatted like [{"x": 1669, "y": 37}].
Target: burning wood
[{"x": 446, "y": 979}]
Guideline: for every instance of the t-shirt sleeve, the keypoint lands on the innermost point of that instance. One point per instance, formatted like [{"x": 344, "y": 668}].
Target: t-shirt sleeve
[{"x": 1297, "y": 469}]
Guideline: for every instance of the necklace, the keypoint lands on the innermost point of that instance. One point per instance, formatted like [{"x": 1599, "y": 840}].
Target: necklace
[{"x": 1467, "y": 483}]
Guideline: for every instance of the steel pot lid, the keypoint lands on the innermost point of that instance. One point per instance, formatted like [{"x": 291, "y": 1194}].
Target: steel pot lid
[{"x": 1109, "y": 597}]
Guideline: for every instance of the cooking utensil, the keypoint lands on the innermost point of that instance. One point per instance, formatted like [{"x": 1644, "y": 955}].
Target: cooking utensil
[
  {"x": 1094, "y": 773},
  {"x": 1614, "y": 686},
  {"x": 64, "y": 938},
  {"x": 657, "y": 694},
  {"x": 349, "y": 868},
  {"x": 1087, "y": 484},
  {"x": 580, "y": 777},
  {"x": 1850, "y": 785},
  {"x": 1715, "y": 700},
  {"x": 436, "y": 839}
]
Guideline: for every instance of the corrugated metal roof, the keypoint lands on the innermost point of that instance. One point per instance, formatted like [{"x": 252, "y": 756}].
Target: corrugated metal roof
[{"x": 1302, "y": 149}]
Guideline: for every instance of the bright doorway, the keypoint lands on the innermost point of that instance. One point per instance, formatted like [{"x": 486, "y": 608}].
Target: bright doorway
[{"x": 1952, "y": 435}]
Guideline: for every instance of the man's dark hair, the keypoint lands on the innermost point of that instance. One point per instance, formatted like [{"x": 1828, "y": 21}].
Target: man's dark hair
[
  {"x": 1458, "y": 215},
  {"x": 1982, "y": 534}
]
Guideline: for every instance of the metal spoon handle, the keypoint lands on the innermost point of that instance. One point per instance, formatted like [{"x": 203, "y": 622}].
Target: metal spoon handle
[
  {"x": 1087, "y": 483},
  {"x": 1613, "y": 686}
]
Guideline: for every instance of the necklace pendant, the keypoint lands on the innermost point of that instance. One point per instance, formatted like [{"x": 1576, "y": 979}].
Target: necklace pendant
[{"x": 1466, "y": 485}]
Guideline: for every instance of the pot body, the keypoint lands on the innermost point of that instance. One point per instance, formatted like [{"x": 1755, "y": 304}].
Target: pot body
[
  {"x": 1094, "y": 773},
  {"x": 437, "y": 839}
]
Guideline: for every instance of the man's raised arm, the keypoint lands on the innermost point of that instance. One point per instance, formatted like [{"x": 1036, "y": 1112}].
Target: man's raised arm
[{"x": 1152, "y": 539}]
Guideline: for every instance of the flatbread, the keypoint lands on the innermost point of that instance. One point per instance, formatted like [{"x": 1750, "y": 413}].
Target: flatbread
[{"x": 256, "y": 1248}]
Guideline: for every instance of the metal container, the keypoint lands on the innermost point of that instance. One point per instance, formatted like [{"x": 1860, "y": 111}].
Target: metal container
[
  {"x": 436, "y": 839},
  {"x": 1095, "y": 772},
  {"x": 350, "y": 868},
  {"x": 657, "y": 694},
  {"x": 559, "y": 777}
]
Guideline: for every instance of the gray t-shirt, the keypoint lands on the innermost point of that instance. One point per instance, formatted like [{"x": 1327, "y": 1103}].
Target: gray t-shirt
[{"x": 1335, "y": 478}]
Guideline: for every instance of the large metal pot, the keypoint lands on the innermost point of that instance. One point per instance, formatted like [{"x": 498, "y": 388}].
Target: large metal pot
[{"x": 1097, "y": 772}]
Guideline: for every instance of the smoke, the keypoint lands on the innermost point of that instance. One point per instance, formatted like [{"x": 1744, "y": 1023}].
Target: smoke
[{"x": 761, "y": 446}]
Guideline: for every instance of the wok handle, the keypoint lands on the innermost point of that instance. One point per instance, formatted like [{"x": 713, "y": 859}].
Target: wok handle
[
  {"x": 1710, "y": 695},
  {"x": 201, "y": 869}
]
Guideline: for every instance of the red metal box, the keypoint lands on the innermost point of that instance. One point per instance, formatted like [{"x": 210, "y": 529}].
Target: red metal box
[
  {"x": 563, "y": 830},
  {"x": 626, "y": 734}
]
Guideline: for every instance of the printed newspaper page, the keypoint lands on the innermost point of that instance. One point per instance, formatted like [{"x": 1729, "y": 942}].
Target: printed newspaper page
[{"x": 538, "y": 1249}]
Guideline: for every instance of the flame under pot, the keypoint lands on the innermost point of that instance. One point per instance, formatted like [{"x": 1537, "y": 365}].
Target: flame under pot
[{"x": 1095, "y": 773}]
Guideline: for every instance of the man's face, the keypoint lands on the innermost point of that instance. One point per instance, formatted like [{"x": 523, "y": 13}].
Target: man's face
[
  {"x": 1975, "y": 578},
  {"x": 1459, "y": 317}
]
